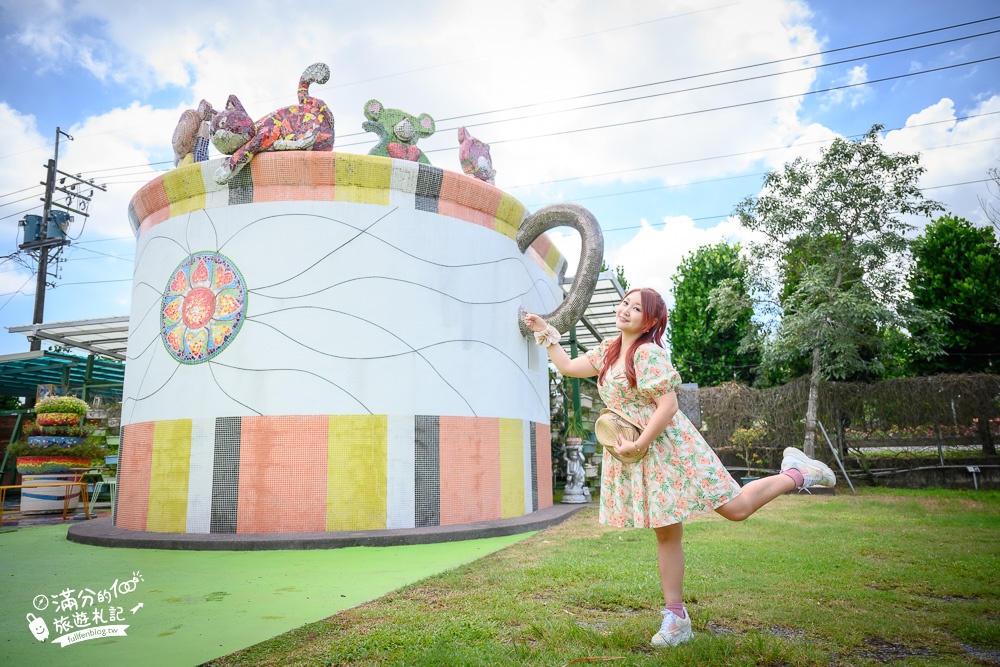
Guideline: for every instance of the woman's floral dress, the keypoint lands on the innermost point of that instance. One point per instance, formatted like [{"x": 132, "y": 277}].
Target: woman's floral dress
[{"x": 680, "y": 475}]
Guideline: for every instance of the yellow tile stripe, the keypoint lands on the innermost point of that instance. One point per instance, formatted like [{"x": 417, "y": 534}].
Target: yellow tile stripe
[
  {"x": 356, "y": 469},
  {"x": 168, "y": 476},
  {"x": 509, "y": 215},
  {"x": 185, "y": 189},
  {"x": 511, "y": 468},
  {"x": 362, "y": 178}
]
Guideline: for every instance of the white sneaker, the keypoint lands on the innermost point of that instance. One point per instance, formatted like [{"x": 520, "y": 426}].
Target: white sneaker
[
  {"x": 814, "y": 473},
  {"x": 673, "y": 631}
]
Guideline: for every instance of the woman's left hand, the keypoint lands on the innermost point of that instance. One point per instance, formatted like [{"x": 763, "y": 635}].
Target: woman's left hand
[{"x": 626, "y": 447}]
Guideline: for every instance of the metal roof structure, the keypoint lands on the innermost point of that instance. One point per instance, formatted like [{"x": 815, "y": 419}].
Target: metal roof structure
[
  {"x": 21, "y": 373},
  {"x": 107, "y": 336},
  {"x": 598, "y": 321}
]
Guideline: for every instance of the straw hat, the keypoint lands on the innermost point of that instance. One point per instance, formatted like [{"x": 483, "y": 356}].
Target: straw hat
[{"x": 610, "y": 425}]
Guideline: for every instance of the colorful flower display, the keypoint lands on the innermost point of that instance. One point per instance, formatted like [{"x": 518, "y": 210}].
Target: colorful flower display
[{"x": 203, "y": 307}]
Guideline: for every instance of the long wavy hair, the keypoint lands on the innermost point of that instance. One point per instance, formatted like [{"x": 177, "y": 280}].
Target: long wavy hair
[{"x": 654, "y": 323}]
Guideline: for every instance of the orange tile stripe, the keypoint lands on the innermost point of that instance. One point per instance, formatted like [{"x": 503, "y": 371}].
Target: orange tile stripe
[
  {"x": 132, "y": 499},
  {"x": 283, "y": 477}
]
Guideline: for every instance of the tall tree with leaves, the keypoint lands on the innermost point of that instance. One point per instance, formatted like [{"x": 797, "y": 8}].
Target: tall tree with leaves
[
  {"x": 956, "y": 270},
  {"x": 845, "y": 213},
  {"x": 704, "y": 351}
]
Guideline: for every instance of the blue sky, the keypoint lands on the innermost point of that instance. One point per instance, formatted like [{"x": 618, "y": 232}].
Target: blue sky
[{"x": 117, "y": 74}]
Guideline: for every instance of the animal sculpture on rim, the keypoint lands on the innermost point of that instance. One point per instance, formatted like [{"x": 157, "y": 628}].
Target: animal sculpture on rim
[
  {"x": 398, "y": 131},
  {"x": 306, "y": 126},
  {"x": 191, "y": 136},
  {"x": 475, "y": 157}
]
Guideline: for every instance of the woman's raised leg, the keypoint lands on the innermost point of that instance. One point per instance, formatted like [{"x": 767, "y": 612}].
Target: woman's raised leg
[{"x": 755, "y": 495}]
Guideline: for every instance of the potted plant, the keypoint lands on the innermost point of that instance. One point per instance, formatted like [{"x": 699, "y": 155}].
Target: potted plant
[
  {"x": 56, "y": 441},
  {"x": 749, "y": 442},
  {"x": 575, "y": 431}
]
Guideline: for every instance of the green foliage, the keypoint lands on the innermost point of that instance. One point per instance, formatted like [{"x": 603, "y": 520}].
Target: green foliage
[
  {"x": 32, "y": 428},
  {"x": 575, "y": 427},
  {"x": 957, "y": 272},
  {"x": 703, "y": 349},
  {"x": 10, "y": 403},
  {"x": 835, "y": 228},
  {"x": 62, "y": 404},
  {"x": 750, "y": 443},
  {"x": 92, "y": 448}
]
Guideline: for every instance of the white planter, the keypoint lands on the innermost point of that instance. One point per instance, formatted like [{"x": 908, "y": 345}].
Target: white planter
[{"x": 48, "y": 498}]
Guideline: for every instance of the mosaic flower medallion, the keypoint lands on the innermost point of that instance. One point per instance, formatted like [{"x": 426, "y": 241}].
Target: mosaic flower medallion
[{"x": 203, "y": 306}]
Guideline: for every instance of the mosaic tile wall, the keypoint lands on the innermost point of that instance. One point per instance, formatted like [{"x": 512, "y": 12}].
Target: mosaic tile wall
[
  {"x": 294, "y": 474},
  {"x": 347, "y": 177}
]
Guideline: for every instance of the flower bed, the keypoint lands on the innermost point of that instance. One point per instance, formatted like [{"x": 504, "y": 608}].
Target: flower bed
[{"x": 39, "y": 465}]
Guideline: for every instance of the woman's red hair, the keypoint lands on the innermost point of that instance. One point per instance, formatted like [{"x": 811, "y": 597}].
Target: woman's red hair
[{"x": 654, "y": 323}]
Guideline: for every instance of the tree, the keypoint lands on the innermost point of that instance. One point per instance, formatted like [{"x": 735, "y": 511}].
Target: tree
[
  {"x": 619, "y": 274},
  {"x": 957, "y": 271},
  {"x": 704, "y": 351},
  {"x": 989, "y": 207},
  {"x": 845, "y": 213}
]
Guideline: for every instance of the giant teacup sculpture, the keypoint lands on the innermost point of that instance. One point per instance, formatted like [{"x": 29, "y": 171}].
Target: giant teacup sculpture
[{"x": 333, "y": 342}]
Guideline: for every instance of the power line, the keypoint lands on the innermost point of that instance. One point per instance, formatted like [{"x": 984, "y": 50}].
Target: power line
[
  {"x": 27, "y": 210},
  {"x": 96, "y": 282},
  {"x": 13, "y": 294},
  {"x": 493, "y": 54},
  {"x": 751, "y": 152},
  {"x": 726, "y": 215},
  {"x": 15, "y": 201},
  {"x": 684, "y": 90},
  {"x": 32, "y": 187},
  {"x": 730, "y": 178},
  {"x": 728, "y": 106}
]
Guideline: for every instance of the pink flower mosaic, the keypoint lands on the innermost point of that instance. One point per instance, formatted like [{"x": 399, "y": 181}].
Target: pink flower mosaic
[{"x": 203, "y": 307}]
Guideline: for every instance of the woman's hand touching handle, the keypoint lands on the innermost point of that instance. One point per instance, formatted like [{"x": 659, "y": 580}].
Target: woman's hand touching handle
[{"x": 535, "y": 323}]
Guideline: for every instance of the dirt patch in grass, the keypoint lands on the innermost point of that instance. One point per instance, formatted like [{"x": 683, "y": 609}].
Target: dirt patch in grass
[
  {"x": 884, "y": 652},
  {"x": 985, "y": 655}
]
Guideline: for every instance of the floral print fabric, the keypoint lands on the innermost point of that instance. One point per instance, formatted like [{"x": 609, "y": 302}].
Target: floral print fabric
[{"x": 680, "y": 475}]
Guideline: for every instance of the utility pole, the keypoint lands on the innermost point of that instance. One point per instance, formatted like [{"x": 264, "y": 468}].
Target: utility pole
[{"x": 42, "y": 243}]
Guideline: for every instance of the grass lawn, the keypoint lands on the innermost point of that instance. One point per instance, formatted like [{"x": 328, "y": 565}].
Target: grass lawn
[{"x": 908, "y": 577}]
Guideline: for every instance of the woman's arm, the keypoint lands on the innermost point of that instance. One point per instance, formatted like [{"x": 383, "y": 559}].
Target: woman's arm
[
  {"x": 574, "y": 368},
  {"x": 666, "y": 408}
]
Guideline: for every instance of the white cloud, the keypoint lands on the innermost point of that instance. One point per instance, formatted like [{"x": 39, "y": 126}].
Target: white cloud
[
  {"x": 651, "y": 257},
  {"x": 854, "y": 97},
  {"x": 956, "y": 151}
]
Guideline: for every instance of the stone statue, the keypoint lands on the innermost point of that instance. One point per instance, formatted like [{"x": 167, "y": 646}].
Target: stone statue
[{"x": 191, "y": 136}]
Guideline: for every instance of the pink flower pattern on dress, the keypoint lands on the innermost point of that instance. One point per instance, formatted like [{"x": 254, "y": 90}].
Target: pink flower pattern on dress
[{"x": 680, "y": 476}]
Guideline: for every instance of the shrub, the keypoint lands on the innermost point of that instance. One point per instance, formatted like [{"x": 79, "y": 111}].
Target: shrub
[{"x": 62, "y": 404}]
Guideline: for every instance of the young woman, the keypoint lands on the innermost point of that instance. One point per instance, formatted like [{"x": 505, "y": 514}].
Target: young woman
[{"x": 680, "y": 475}]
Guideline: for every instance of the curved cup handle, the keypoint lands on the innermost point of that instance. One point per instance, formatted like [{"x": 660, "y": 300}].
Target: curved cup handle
[{"x": 591, "y": 255}]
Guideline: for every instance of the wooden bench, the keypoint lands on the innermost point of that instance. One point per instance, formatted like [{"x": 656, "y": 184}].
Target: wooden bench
[{"x": 35, "y": 485}]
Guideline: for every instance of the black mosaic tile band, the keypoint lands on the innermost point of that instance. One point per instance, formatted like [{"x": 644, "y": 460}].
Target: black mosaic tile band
[
  {"x": 532, "y": 430},
  {"x": 241, "y": 188},
  {"x": 427, "y": 471},
  {"x": 428, "y": 190},
  {"x": 226, "y": 474}
]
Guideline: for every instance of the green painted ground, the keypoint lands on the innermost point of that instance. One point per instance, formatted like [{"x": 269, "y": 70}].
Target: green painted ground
[{"x": 196, "y": 605}]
